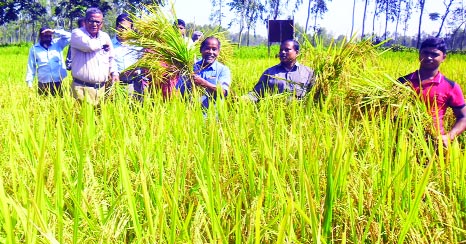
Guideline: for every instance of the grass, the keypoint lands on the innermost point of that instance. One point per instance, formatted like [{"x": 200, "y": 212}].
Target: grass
[{"x": 286, "y": 172}]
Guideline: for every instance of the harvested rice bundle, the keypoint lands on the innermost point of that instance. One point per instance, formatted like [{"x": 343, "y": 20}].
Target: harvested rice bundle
[{"x": 167, "y": 53}]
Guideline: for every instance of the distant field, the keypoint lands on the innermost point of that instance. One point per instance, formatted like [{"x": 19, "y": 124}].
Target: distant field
[{"x": 276, "y": 172}]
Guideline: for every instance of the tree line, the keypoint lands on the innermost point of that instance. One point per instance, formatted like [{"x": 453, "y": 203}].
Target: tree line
[{"x": 19, "y": 18}]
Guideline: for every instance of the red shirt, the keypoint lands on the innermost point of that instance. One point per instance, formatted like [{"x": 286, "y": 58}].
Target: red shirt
[{"x": 438, "y": 94}]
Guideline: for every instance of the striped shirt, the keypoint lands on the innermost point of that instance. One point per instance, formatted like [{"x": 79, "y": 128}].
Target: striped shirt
[{"x": 91, "y": 63}]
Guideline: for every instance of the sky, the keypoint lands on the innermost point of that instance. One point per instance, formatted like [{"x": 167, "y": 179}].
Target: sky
[{"x": 337, "y": 20}]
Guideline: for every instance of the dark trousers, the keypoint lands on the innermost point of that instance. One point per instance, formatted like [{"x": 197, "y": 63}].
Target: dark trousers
[{"x": 51, "y": 88}]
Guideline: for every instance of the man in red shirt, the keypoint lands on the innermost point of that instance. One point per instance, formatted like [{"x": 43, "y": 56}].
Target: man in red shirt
[{"x": 436, "y": 90}]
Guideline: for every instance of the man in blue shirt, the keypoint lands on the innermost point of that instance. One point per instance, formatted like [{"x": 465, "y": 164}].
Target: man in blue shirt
[
  {"x": 209, "y": 74},
  {"x": 286, "y": 77},
  {"x": 46, "y": 61},
  {"x": 126, "y": 56}
]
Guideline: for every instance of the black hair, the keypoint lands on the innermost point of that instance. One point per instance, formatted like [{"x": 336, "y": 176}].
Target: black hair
[
  {"x": 81, "y": 21},
  {"x": 91, "y": 11},
  {"x": 435, "y": 42},
  {"x": 180, "y": 22},
  {"x": 204, "y": 43},
  {"x": 121, "y": 18},
  {"x": 295, "y": 43}
]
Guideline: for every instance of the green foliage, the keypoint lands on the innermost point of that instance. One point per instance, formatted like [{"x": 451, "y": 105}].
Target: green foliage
[
  {"x": 10, "y": 10},
  {"x": 401, "y": 48},
  {"x": 74, "y": 9}
]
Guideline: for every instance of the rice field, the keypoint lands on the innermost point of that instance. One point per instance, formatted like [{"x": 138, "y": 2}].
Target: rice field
[{"x": 280, "y": 171}]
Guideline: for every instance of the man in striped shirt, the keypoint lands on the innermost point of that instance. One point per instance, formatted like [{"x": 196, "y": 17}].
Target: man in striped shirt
[{"x": 93, "y": 59}]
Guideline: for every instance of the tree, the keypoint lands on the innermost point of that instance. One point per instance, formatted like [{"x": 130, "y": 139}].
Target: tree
[
  {"x": 436, "y": 16},
  {"x": 352, "y": 19},
  {"x": 456, "y": 37},
  {"x": 217, "y": 15},
  {"x": 421, "y": 8},
  {"x": 11, "y": 10},
  {"x": 407, "y": 16},
  {"x": 316, "y": 8},
  {"x": 73, "y": 9},
  {"x": 274, "y": 8},
  {"x": 398, "y": 16},
  {"x": 8, "y": 11},
  {"x": 366, "y": 2},
  {"x": 377, "y": 11},
  {"x": 247, "y": 12},
  {"x": 134, "y": 5},
  {"x": 389, "y": 7}
]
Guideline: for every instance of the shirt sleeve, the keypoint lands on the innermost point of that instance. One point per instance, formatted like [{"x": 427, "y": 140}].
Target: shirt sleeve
[
  {"x": 456, "y": 99},
  {"x": 261, "y": 85},
  {"x": 225, "y": 79},
  {"x": 64, "y": 38},
  {"x": 31, "y": 67},
  {"x": 85, "y": 43},
  {"x": 310, "y": 81}
]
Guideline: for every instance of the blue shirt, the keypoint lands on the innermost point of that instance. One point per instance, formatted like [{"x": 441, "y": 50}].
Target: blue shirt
[
  {"x": 216, "y": 74},
  {"x": 48, "y": 64},
  {"x": 125, "y": 55}
]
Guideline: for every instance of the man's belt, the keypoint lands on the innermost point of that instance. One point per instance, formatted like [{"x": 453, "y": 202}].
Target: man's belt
[{"x": 89, "y": 84}]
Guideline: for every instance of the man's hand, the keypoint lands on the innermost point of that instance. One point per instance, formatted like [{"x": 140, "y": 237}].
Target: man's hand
[
  {"x": 446, "y": 140},
  {"x": 48, "y": 31},
  {"x": 198, "y": 80}
]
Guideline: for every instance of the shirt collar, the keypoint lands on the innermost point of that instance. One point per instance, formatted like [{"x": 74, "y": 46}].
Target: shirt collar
[
  {"x": 89, "y": 34},
  {"x": 294, "y": 68},
  {"x": 213, "y": 66},
  {"x": 437, "y": 78}
]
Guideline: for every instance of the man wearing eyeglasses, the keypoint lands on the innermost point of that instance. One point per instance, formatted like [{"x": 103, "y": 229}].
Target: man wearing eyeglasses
[{"x": 93, "y": 59}]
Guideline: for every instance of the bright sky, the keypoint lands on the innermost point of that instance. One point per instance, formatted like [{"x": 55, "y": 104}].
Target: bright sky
[{"x": 337, "y": 20}]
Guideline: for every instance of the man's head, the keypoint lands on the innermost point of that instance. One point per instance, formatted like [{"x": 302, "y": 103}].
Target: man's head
[
  {"x": 81, "y": 22},
  {"x": 123, "y": 22},
  {"x": 210, "y": 48},
  {"x": 289, "y": 50},
  {"x": 196, "y": 36},
  {"x": 45, "y": 36},
  {"x": 94, "y": 21},
  {"x": 432, "y": 53},
  {"x": 181, "y": 26}
]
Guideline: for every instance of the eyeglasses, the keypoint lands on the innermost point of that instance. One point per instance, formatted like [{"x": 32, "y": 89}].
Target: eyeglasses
[{"x": 94, "y": 22}]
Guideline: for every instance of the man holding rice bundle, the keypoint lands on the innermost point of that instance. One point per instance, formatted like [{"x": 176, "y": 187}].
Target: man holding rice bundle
[
  {"x": 435, "y": 90},
  {"x": 288, "y": 76},
  {"x": 126, "y": 56},
  {"x": 210, "y": 75},
  {"x": 93, "y": 59}
]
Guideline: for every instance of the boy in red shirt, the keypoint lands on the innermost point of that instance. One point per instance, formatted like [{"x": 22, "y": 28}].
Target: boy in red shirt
[{"x": 436, "y": 90}]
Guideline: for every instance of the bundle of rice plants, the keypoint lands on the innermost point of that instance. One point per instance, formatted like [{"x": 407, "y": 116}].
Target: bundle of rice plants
[
  {"x": 167, "y": 53},
  {"x": 379, "y": 94},
  {"x": 348, "y": 73},
  {"x": 333, "y": 64}
]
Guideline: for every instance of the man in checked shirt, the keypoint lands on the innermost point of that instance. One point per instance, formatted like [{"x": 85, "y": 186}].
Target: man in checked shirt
[{"x": 288, "y": 76}]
